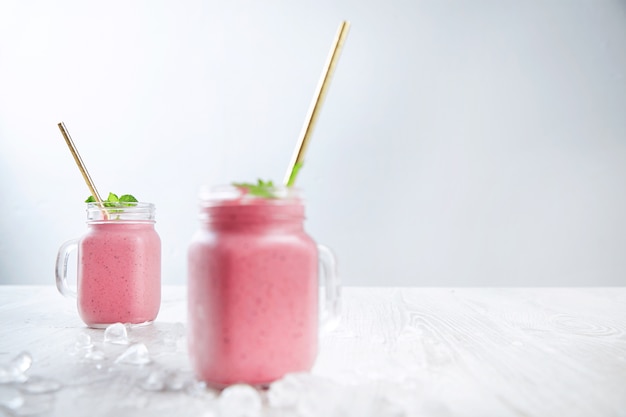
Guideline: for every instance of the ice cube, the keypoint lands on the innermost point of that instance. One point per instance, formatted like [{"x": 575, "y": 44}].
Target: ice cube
[
  {"x": 117, "y": 334},
  {"x": 35, "y": 405},
  {"x": 83, "y": 342},
  {"x": 286, "y": 391},
  {"x": 155, "y": 381},
  {"x": 40, "y": 385},
  {"x": 7, "y": 374},
  {"x": 10, "y": 398},
  {"x": 164, "y": 379},
  {"x": 22, "y": 362},
  {"x": 176, "y": 381},
  {"x": 197, "y": 388},
  {"x": 14, "y": 371},
  {"x": 82, "y": 346},
  {"x": 200, "y": 389},
  {"x": 95, "y": 355},
  {"x": 136, "y": 354},
  {"x": 240, "y": 400},
  {"x": 312, "y": 388}
]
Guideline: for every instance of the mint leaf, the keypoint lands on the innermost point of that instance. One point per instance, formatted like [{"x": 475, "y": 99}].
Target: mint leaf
[
  {"x": 262, "y": 188},
  {"x": 126, "y": 200},
  {"x": 111, "y": 201}
]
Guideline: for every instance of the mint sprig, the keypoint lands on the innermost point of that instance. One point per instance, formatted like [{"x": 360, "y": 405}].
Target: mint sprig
[
  {"x": 113, "y": 200},
  {"x": 127, "y": 198},
  {"x": 261, "y": 188}
]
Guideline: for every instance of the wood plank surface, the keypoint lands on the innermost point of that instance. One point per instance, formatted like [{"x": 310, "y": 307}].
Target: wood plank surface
[
  {"x": 518, "y": 352},
  {"x": 436, "y": 352}
]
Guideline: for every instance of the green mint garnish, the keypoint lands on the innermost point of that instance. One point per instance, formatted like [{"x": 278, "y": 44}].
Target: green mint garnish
[
  {"x": 127, "y": 198},
  {"x": 262, "y": 188},
  {"x": 113, "y": 200}
]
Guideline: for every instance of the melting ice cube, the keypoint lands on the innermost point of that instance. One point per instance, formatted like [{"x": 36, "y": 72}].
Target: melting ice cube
[
  {"x": 15, "y": 369},
  {"x": 199, "y": 389},
  {"x": 239, "y": 400},
  {"x": 40, "y": 385},
  {"x": 163, "y": 379},
  {"x": 22, "y": 362},
  {"x": 10, "y": 398},
  {"x": 136, "y": 354},
  {"x": 117, "y": 334},
  {"x": 95, "y": 355},
  {"x": 155, "y": 381},
  {"x": 35, "y": 405},
  {"x": 176, "y": 381},
  {"x": 83, "y": 342},
  {"x": 286, "y": 391}
]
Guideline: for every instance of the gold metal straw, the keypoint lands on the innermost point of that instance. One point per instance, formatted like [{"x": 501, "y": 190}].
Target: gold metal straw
[
  {"x": 82, "y": 167},
  {"x": 309, "y": 123}
]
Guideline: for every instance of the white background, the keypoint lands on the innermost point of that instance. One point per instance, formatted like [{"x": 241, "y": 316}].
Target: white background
[{"x": 461, "y": 142}]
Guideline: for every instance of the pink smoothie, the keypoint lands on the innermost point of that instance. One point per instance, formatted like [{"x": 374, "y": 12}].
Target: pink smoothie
[
  {"x": 253, "y": 288},
  {"x": 119, "y": 273}
]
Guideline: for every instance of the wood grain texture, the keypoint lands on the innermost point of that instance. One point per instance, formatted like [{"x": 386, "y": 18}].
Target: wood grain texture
[
  {"x": 518, "y": 352},
  {"x": 397, "y": 351}
]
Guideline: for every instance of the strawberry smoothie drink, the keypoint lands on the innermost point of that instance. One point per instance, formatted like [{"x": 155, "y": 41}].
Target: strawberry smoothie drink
[
  {"x": 252, "y": 288},
  {"x": 119, "y": 266}
]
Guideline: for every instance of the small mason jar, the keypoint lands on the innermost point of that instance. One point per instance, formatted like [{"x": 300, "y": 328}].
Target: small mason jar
[
  {"x": 253, "y": 284},
  {"x": 119, "y": 266}
]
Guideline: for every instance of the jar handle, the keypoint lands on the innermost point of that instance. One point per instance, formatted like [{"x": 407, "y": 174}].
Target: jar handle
[
  {"x": 61, "y": 267},
  {"x": 331, "y": 307}
]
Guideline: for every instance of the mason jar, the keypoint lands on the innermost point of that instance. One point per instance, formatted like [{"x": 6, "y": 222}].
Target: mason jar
[
  {"x": 253, "y": 287},
  {"x": 119, "y": 266}
]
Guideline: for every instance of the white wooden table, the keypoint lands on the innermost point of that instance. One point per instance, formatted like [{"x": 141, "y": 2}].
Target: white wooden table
[{"x": 398, "y": 352}]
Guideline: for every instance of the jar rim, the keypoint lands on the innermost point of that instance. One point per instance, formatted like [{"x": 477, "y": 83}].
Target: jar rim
[
  {"x": 122, "y": 205},
  {"x": 121, "y": 211},
  {"x": 221, "y": 194}
]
